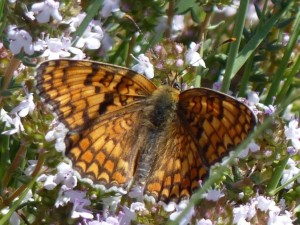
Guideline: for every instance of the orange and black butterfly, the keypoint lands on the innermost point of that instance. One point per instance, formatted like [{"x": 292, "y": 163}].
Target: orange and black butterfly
[{"x": 124, "y": 131}]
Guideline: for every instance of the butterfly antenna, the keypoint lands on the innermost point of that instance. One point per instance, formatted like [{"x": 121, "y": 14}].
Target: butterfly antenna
[{"x": 214, "y": 50}]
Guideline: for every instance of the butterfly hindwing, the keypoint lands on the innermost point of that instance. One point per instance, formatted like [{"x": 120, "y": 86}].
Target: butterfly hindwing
[
  {"x": 216, "y": 122},
  {"x": 80, "y": 91},
  {"x": 105, "y": 152},
  {"x": 178, "y": 168}
]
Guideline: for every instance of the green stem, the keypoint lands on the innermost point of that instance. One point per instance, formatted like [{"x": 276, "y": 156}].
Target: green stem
[
  {"x": 170, "y": 18},
  {"x": 279, "y": 75},
  {"x": 276, "y": 176},
  {"x": 93, "y": 9},
  {"x": 246, "y": 75},
  {"x": 202, "y": 37},
  {"x": 256, "y": 40},
  {"x": 14, "y": 165},
  {"x": 288, "y": 82},
  {"x": 233, "y": 51},
  {"x": 9, "y": 72},
  {"x": 276, "y": 190},
  {"x": 22, "y": 191}
]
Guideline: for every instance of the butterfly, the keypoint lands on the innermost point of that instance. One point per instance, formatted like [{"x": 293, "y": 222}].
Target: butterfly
[{"x": 126, "y": 132}]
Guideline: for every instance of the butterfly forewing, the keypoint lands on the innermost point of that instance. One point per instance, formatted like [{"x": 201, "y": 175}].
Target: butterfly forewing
[
  {"x": 100, "y": 105},
  {"x": 80, "y": 91}
]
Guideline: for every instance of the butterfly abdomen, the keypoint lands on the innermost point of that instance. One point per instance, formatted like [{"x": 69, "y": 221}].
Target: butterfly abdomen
[{"x": 158, "y": 113}]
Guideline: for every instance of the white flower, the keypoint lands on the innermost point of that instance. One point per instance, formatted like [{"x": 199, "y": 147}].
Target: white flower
[
  {"x": 192, "y": 57},
  {"x": 19, "y": 39},
  {"x": 112, "y": 221},
  {"x": 178, "y": 23},
  {"x": 289, "y": 173},
  {"x": 292, "y": 132},
  {"x": 288, "y": 114},
  {"x": 49, "y": 183},
  {"x": 26, "y": 106},
  {"x": 111, "y": 202},
  {"x": 65, "y": 175},
  {"x": 187, "y": 218},
  {"x": 126, "y": 216},
  {"x": 75, "y": 22},
  {"x": 204, "y": 222},
  {"x": 78, "y": 198},
  {"x": 58, "y": 133},
  {"x": 137, "y": 193},
  {"x": 109, "y": 6},
  {"x": 275, "y": 219},
  {"x": 61, "y": 48},
  {"x": 241, "y": 195},
  {"x": 213, "y": 195},
  {"x": 144, "y": 66},
  {"x": 45, "y": 10},
  {"x": 240, "y": 214},
  {"x": 108, "y": 221},
  {"x": 106, "y": 43},
  {"x": 14, "y": 219},
  {"x": 92, "y": 35},
  {"x": 264, "y": 204},
  {"x": 79, "y": 211},
  {"x": 18, "y": 126},
  {"x": 253, "y": 97},
  {"x": 137, "y": 206},
  {"x": 62, "y": 199},
  {"x": 252, "y": 147},
  {"x": 4, "y": 117},
  {"x": 55, "y": 49},
  {"x": 31, "y": 167}
]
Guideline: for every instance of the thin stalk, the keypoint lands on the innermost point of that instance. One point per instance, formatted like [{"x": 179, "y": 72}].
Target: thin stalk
[
  {"x": 22, "y": 191},
  {"x": 288, "y": 82},
  {"x": 256, "y": 40},
  {"x": 279, "y": 75},
  {"x": 24, "y": 187},
  {"x": 170, "y": 18},
  {"x": 14, "y": 165},
  {"x": 233, "y": 51},
  {"x": 276, "y": 176},
  {"x": 9, "y": 73},
  {"x": 93, "y": 9},
  {"x": 246, "y": 75},
  {"x": 202, "y": 37},
  {"x": 130, "y": 50}
]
